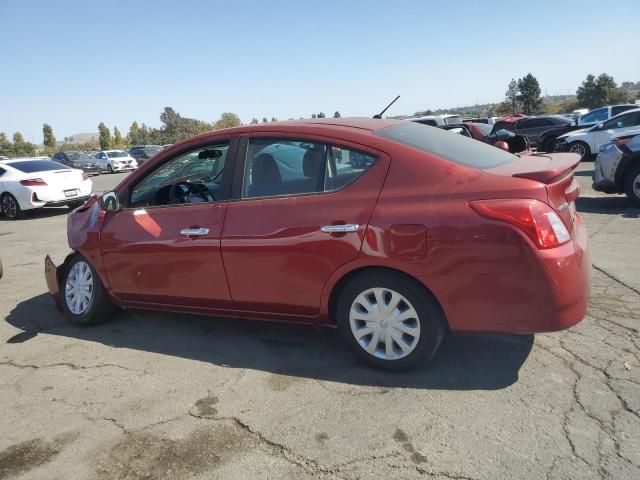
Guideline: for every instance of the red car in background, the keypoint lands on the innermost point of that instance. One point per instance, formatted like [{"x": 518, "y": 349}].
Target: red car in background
[{"x": 396, "y": 232}]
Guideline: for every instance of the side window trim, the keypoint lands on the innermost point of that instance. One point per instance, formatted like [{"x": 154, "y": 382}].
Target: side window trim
[{"x": 227, "y": 174}]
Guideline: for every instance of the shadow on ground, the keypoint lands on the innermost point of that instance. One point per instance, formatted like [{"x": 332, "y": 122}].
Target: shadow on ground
[
  {"x": 39, "y": 213},
  {"x": 611, "y": 204},
  {"x": 485, "y": 362}
]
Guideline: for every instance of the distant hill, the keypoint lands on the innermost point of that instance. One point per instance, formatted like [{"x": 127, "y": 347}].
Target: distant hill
[{"x": 79, "y": 138}]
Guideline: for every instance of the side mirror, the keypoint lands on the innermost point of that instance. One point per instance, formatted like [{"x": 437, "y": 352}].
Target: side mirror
[{"x": 109, "y": 202}]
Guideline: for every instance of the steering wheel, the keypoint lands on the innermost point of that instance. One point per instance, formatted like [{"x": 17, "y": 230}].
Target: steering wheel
[{"x": 181, "y": 191}]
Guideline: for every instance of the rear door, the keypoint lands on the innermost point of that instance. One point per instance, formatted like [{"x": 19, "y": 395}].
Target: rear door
[
  {"x": 164, "y": 246},
  {"x": 300, "y": 210}
]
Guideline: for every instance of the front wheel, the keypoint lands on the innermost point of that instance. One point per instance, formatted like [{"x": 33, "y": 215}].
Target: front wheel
[
  {"x": 632, "y": 185},
  {"x": 10, "y": 207},
  {"x": 85, "y": 301},
  {"x": 581, "y": 149},
  {"x": 390, "y": 320},
  {"x": 110, "y": 168}
]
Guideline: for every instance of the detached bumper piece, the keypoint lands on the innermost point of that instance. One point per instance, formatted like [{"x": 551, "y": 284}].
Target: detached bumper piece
[{"x": 52, "y": 277}]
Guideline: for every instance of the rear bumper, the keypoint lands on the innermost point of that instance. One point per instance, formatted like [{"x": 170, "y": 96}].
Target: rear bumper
[{"x": 68, "y": 201}]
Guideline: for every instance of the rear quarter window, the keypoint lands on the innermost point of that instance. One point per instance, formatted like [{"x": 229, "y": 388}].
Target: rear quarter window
[{"x": 455, "y": 148}]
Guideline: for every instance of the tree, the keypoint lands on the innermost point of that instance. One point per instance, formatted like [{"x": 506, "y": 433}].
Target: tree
[
  {"x": 511, "y": 97},
  {"x": 22, "y": 148},
  {"x": 254, "y": 121},
  {"x": 264, "y": 120},
  {"x": 133, "y": 137},
  {"x": 321, "y": 115},
  {"x": 529, "y": 94},
  {"x": 597, "y": 92},
  {"x": 105, "y": 136},
  {"x": 336, "y": 114},
  {"x": 49, "y": 140},
  {"x": 176, "y": 127},
  {"x": 502, "y": 109},
  {"x": 118, "y": 141},
  {"x": 313, "y": 115},
  {"x": 274, "y": 119},
  {"x": 227, "y": 120},
  {"x": 6, "y": 147}
]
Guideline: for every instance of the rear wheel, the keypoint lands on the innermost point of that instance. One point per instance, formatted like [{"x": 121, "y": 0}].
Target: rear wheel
[
  {"x": 581, "y": 149},
  {"x": 632, "y": 185},
  {"x": 551, "y": 145},
  {"x": 10, "y": 207},
  {"x": 389, "y": 320},
  {"x": 85, "y": 301}
]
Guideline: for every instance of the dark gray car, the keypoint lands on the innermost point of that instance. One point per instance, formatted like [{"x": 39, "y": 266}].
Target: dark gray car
[
  {"x": 142, "y": 153},
  {"x": 77, "y": 160},
  {"x": 534, "y": 128}
]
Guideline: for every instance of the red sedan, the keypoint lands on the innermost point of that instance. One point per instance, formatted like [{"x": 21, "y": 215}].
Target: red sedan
[{"x": 395, "y": 232}]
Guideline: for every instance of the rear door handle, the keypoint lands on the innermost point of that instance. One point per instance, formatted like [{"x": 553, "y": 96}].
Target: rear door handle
[
  {"x": 350, "y": 227},
  {"x": 194, "y": 232}
]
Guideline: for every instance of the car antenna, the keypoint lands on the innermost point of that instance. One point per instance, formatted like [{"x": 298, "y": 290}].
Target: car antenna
[{"x": 382, "y": 112}]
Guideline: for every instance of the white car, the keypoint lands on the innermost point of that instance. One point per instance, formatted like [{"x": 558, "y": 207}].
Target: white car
[
  {"x": 115, "y": 161},
  {"x": 603, "y": 114},
  {"x": 28, "y": 183},
  {"x": 587, "y": 141},
  {"x": 437, "y": 120}
]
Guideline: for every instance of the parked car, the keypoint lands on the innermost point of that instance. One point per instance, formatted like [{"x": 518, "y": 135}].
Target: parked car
[
  {"x": 600, "y": 115},
  {"x": 486, "y": 120},
  {"x": 503, "y": 139},
  {"x": 541, "y": 132},
  {"x": 142, "y": 153},
  {"x": 260, "y": 222},
  {"x": 617, "y": 167},
  {"x": 29, "y": 183},
  {"x": 79, "y": 160},
  {"x": 586, "y": 142},
  {"x": 437, "y": 120},
  {"x": 112, "y": 161}
]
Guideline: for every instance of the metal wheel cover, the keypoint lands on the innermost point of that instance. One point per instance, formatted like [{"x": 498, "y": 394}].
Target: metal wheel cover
[
  {"x": 78, "y": 290},
  {"x": 635, "y": 185},
  {"x": 579, "y": 149},
  {"x": 384, "y": 323},
  {"x": 9, "y": 207}
]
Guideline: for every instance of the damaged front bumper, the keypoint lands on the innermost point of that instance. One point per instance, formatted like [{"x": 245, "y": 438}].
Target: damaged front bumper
[
  {"x": 605, "y": 168},
  {"x": 53, "y": 276}
]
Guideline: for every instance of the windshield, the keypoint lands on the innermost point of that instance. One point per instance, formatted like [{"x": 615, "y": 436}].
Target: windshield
[
  {"x": 30, "y": 166},
  {"x": 116, "y": 154},
  {"x": 75, "y": 156},
  {"x": 455, "y": 148}
]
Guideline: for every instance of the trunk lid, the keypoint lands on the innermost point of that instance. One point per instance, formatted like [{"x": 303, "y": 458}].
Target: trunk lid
[
  {"x": 555, "y": 171},
  {"x": 61, "y": 179}
]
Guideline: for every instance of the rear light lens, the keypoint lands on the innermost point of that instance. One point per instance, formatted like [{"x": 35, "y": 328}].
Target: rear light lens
[
  {"x": 536, "y": 219},
  {"x": 33, "y": 182}
]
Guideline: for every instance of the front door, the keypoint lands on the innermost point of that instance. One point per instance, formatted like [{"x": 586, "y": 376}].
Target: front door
[
  {"x": 164, "y": 247},
  {"x": 299, "y": 213}
]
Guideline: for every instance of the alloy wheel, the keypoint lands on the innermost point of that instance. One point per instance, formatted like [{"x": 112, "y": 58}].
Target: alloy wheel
[
  {"x": 9, "y": 206},
  {"x": 78, "y": 292},
  {"x": 579, "y": 149},
  {"x": 384, "y": 323}
]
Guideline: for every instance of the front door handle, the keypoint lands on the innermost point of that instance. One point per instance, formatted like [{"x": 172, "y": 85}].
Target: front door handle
[
  {"x": 194, "y": 232},
  {"x": 350, "y": 227}
]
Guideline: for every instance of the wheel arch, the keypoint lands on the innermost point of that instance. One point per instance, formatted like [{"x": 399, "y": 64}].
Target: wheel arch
[{"x": 339, "y": 285}]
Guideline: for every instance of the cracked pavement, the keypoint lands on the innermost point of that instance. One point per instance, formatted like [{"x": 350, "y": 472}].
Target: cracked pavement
[{"x": 157, "y": 395}]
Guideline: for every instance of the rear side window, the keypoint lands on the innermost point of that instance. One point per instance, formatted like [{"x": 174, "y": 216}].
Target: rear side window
[
  {"x": 30, "y": 166},
  {"x": 455, "y": 148},
  {"x": 281, "y": 167},
  {"x": 2, "y": 171}
]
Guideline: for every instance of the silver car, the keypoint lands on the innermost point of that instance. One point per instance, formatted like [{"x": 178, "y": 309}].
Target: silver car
[{"x": 617, "y": 167}]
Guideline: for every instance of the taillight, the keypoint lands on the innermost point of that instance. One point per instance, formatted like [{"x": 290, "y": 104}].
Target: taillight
[
  {"x": 537, "y": 219},
  {"x": 33, "y": 182},
  {"x": 85, "y": 176}
]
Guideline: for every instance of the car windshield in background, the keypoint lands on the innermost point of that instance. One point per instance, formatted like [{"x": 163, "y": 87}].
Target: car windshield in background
[
  {"x": 456, "y": 148},
  {"x": 153, "y": 150},
  {"x": 116, "y": 154},
  {"x": 484, "y": 128},
  {"x": 30, "y": 166},
  {"x": 79, "y": 156}
]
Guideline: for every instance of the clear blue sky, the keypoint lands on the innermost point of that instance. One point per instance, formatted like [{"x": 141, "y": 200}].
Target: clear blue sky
[{"x": 73, "y": 64}]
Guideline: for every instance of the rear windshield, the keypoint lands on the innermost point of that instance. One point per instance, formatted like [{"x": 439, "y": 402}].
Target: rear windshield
[
  {"x": 456, "y": 148},
  {"x": 30, "y": 166}
]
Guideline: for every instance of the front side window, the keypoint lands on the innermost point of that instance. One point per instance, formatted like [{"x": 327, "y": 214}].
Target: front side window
[
  {"x": 597, "y": 115},
  {"x": 279, "y": 167},
  {"x": 192, "y": 177},
  {"x": 622, "y": 121}
]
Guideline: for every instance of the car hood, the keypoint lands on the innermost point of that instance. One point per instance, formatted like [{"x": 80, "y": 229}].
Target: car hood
[{"x": 576, "y": 133}]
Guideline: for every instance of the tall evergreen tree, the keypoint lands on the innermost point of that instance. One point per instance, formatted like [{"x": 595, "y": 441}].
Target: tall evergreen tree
[
  {"x": 529, "y": 94},
  {"x": 49, "y": 140},
  {"x": 104, "y": 136}
]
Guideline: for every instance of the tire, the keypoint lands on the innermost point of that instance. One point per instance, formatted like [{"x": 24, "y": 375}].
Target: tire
[
  {"x": 581, "y": 149},
  {"x": 75, "y": 205},
  {"x": 550, "y": 144},
  {"x": 632, "y": 185},
  {"x": 10, "y": 207},
  {"x": 92, "y": 311},
  {"x": 423, "y": 317},
  {"x": 110, "y": 168}
]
